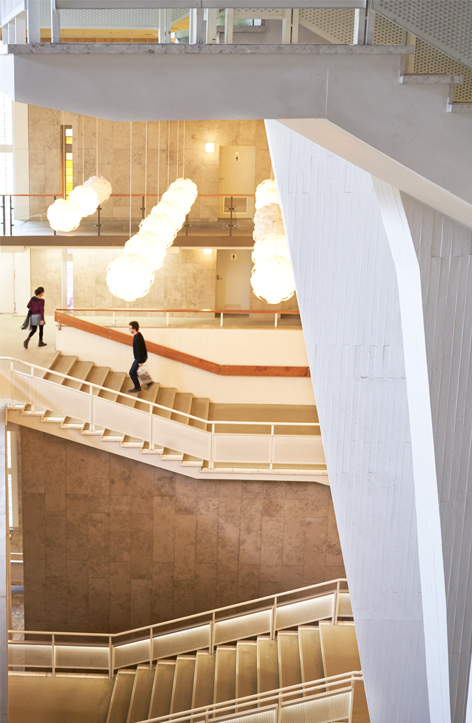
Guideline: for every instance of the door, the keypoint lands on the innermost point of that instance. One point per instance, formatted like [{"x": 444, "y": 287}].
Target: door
[
  {"x": 233, "y": 273},
  {"x": 236, "y": 176}
]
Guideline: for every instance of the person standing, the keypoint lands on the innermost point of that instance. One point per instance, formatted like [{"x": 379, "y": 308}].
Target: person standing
[
  {"x": 36, "y": 311},
  {"x": 140, "y": 357}
]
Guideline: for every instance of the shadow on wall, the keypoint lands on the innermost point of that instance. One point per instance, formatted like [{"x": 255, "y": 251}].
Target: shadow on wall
[{"x": 112, "y": 544}]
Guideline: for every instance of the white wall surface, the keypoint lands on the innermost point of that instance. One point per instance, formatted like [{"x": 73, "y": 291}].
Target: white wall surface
[
  {"x": 275, "y": 347},
  {"x": 14, "y": 282},
  {"x": 349, "y": 301}
]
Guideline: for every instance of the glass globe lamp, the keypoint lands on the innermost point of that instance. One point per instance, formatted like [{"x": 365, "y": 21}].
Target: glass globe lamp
[
  {"x": 129, "y": 277},
  {"x": 101, "y": 186},
  {"x": 85, "y": 198},
  {"x": 266, "y": 192},
  {"x": 173, "y": 211},
  {"x": 64, "y": 215},
  {"x": 268, "y": 219},
  {"x": 160, "y": 226},
  {"x": 272, "y": 244},
  {"x": 272, "y": 280},
  {"x": 149, "y": 247}
]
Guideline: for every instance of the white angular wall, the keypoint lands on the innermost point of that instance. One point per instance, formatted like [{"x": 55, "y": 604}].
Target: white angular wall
[{"x": 348, "y": 291}]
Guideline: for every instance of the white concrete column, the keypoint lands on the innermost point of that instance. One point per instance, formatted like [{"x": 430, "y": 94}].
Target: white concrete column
[
  {"x": 229, "y": 17},
  {"x": 197, "y": 26},
  {"x": 164, "y": 26},
  {"x": 211, "y": 19},
  {"x": 33, "y": 21}
]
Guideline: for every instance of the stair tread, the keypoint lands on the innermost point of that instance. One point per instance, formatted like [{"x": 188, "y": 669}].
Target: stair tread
[
  {"x": 183, "y": 684},
  {"x": 128, "y": 401},
  {"x": 141, "y": 696},
  {"x": 148, "y": 395},
  {"x": 204, "y": 680},
  {"x": 109, "y": 435},
  {"x": 246, "y": 669},
  {"x": 200, "y": 408},
  {"x": 182, "y": 403},
  {"x": 121, "y": 696},
  {"x": 162, "y": 689},
  {"x": 113, "y": 383},
  {"x": 311, "y": 658},
  {"x": 80, "y": 371},
  {"x": 62, "y": 364},
  {"x": 267, "y": 665},
  {"x": 166, "y": 397},
  {"x": 289, "y": 660},
  {"x": 189, "y": 460},
  {"x": 97, "y": 375},
  {"x": 225, "y": 674},
  {"x": 132, "y": 442}
]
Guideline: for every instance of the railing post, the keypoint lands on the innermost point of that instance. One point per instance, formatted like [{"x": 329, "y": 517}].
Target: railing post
[
  {"x": 4, "y": 216},
  {"x": 221, "y": 319},
  {"x": 92, "y": 424},
  {"x": 231, "y": 218},
  {"x": 336, "y": 604},
  {"x": 32, "y": 388},
  {"x": 11, "y": 217},
  {"x": 111, "y": 657},
  {"x": 276, "y": 319},
  {"x": 54, "y": 197},
  {"x": 53, "y": 655},
  {"x": 167, "y": 318},
  {"x": 33, "y": 21},
  {"x": 150, "y": 648},
  {"x": 273, "y": 616},
  {"x": 212, "y": 452},
  {"x": 272, "y": 440},
  {"x": 98, "y": 224},
  {"x": 143, "y": 207},
  {"x": 114, "y": 318},
  {"x": 212, "y": 634}
]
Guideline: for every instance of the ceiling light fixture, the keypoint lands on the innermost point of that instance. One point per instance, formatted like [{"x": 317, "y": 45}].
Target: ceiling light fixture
[
  {"x": 129, "y": 277},
  {"x": 64, "y": 215},
  {"x": 209, "y": 147}
]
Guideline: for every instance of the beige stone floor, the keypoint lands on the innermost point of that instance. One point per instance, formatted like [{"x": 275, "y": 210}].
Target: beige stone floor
[{"x": 12, "y": 338}]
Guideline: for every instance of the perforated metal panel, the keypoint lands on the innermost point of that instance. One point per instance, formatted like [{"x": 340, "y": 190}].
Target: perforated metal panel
[
  {"x": 31, "y": 656},
  {"x": 387, "y": 33},
  {"x": 335, "y": 26},
  {"x": 135, "y": 19},
  {"x": 336, "y": 707},
  {"x": 306, "y": 611},
  {"x": 258, "y": 13},
  {"x": 429, "y": 60},
  {"x": 444, "y": 25},
  {"x": 10, "y": 8},
  {"x": 184, "y": 641},
  {"x": 244, "y": 626},
  {"x": 131, "y": 653},
  {"x": 86, "y": 656}
]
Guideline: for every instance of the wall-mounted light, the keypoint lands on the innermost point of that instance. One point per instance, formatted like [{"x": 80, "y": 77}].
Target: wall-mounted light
[
  {"x": 210, "y": 147},
  {"x": 207, "y": 251}
]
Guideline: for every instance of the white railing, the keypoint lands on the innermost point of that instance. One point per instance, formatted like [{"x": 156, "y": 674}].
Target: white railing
[
  {"x": 326, "y": 699},
  {"x": 204, "y": 314},
  {"x": 56, "y": 651},
  {"x": 217, "y": 443}
]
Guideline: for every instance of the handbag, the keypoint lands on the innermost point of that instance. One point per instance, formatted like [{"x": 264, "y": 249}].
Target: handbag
[
  {"x": 35, "y": 319},
  {"x": 144, "y": 375},
  {"x": 25, "y": 324}
]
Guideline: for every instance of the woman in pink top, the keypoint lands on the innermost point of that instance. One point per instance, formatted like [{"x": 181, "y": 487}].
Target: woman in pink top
[{"x": 36, "y": 310}]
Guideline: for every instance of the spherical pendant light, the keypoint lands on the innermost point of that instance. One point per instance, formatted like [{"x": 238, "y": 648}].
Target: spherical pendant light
[
  {"x": 272, "y": 244},
  {"x": 268, "y": 219},
  {"x": 160, "y": 226},
  {"x": 183, "y": 191},
  {"x": 101, "y": 186},
  {"x": 85, "y": 198},
  {"x": 266, "y": 192},
  {"x": 272, "y": 280},
  {"x": 149, "y": 247},
  {"x": 173, "y": 211},
  {"x": 129, "y": 277},
  {"x": 64, "y": 215}
]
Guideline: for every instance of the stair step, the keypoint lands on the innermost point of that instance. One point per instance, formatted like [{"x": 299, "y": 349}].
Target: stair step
[
  {"x": 62, "y": 364},
  {"x": 110, "y": 436},
  {"x": 89, "y": 432},
  {"x": 225, "y": 674},
  {"x": 141, "y": 695},
  {"x": 200, "y": 408},
  {"x": 166, "y": 397},
  {"x": 204, "y": 680},
  {"x": 80, "y": 370},
  {"x": 189, "y": 461},
  {"x": 113, "y": 382},
  {"x": 289, "y": 661},
  {"x": 29, "y": 411},
  {"x": 130, "y": 400},
  {"x": 460, "y": 107},
  {"x": 311, "y": 659},
  {"x": 162, "y": 689},
  {"x": 430, "y": 79},
  {"x": 132, "y": 442},
  {"x": 72, "y": 423},
  {"x": 42, "y": 375},
  {"x": 53, "y": 417},
  {"x": 97, "y": 375},
  {"x": 246, "y": 669},
  {"x": 267, "y": 665},
  {"x": 146, "y": 449},
  {"x": 121, "y": 696},
  {"x": 148, "y": 395},
  {"x": 182, "y": 403},
  {"x": 172, "y": 455},
  {"x": 183, "y": 684}
]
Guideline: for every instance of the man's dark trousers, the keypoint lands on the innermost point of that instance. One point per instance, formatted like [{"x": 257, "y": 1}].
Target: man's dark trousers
[{"x": 133, "y": 372}]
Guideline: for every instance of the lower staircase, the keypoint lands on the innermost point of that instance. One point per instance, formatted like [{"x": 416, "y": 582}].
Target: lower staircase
[{"x": 91, "y": 401}]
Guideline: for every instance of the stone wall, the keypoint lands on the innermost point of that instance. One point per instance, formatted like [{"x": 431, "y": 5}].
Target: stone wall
[{"x": 112, "y": 544}]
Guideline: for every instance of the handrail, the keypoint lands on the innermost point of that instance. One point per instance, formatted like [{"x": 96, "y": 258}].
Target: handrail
[
  {"x": 188, "y": 311},
  {"x": 182, "y": 357},
  {"x": 155, "y": 405}
]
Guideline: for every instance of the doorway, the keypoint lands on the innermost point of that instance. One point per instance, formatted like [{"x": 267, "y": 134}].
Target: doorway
[
  {"x": 236, "y": 169},
  {"x": 233, "y": 273}
]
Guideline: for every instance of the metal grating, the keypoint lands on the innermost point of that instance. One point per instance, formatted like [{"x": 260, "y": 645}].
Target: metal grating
[
  {"x": 31, "y": 656},
  {"x": 87, "y": 656},
  {"x": 444, "y": 25},
  {"x": 131, "y": 653},
  {"x": 245, "y": 626},
  {"x": 10, "y": 8},
  {"x": 184, "y": 641},
  {"x": 386, "y": 32},
  {"x": 429, "y": 60},
  {"x": 306, "y": 611},
  {"x": 266, "y": 716},
  {"x": 334, "y": 25},
  {"x": 130, "y": 19},
  {"x": 336, "y": 707}
]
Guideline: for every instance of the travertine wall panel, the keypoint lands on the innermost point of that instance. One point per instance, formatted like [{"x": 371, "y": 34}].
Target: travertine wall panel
[
  {"x": 47, "y": 271},
  {"x": 111, "y": 544}
]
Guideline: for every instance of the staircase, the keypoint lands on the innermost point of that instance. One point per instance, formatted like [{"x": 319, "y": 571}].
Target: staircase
[{"x": 160, "y": 425}]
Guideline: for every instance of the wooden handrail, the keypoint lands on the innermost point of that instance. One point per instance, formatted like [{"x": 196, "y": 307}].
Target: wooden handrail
[{"x": 182, "y": 357}]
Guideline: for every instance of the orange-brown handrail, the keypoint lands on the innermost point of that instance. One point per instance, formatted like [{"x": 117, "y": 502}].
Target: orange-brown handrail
[
  {"x": 187, "y": 311},
  {"x": 182, "y": 357}
]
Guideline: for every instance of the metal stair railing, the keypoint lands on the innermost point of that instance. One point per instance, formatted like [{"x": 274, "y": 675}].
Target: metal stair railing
[
  {"x": 55, "y": 651},
  {"x": 332, "y": 695},
  {"x": 215, "y": 445}
]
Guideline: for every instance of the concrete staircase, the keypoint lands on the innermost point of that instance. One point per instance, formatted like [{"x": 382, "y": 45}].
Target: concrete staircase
[{"x": 174, "y": 406}]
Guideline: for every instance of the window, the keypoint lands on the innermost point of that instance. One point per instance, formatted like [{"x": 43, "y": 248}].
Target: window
[{"x": 68, "y": 160}]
